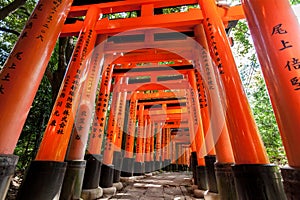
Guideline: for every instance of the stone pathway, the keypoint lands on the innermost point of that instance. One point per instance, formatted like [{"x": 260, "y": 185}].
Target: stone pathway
[{"x": 167, "y": 185}]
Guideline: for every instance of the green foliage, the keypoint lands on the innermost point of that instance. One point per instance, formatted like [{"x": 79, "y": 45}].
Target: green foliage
[
  {"x": 15, "y": 23},
  {"x": 295, "y": 2},
  {"x": 264, "y": 116},
  {"x": 179, "y": 9},
  {"x": 242, "y": 36},
  {"x": 121, "y": 15}
]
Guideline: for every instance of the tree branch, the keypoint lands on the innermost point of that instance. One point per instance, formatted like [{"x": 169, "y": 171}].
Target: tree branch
[
  {"x": 25, "y": 11},
  {"x": 9, "y": 31},
  {"x": 5, "y": 11}
]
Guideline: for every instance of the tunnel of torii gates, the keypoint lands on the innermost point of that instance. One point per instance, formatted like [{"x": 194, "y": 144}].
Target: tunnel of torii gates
[{"x": 173, "y": 92}]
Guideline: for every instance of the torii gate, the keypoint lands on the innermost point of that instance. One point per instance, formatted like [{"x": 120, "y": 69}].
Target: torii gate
[{"x": 22, "y": 74}]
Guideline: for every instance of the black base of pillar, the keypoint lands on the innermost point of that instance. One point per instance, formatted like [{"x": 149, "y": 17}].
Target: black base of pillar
[
  {"x": 7, "y": 165},
  {"x": 148, "y": 166},
  {"x": 117, "y": 162},
  {"x": 127, "y": 167},
  {"x": 43, "y": 180},
  {"x": 152, "y": 166},
  {"x": 194, "y": 164},
  {"x": 201, "y": 177},
  {"x": 92, "y": 171},
  {"x": 71, "y": 188},
  {"x": 166, "y": 165},
  {"x": 174, "y": 167},
  {"x": 225, "y": 181},
  {"x": 183, "y": 168},
  {"x": 258, "y": 182},
  {"x": 139, "y": 169},
  {"x": 180, "y": 167},
  {"x": 187, "y": 168},
  {"x": 169, "y": 165},
  {"x": 158, "y": 165},
  {"x": 211, "y": 176},
  {"x": 291, "y": 182},
  {"x": 107, "y": 175}
]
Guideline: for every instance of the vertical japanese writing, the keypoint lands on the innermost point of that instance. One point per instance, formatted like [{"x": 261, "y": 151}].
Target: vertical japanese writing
[
  {"x": 214, "y": 49},
  {"x": 45, "y": 27},
  {"x": 99, "y": 121},
  {"x": 131, "y": 126},
  {"x": 7, "y": 76},
  {"x": 92, "y": 76},
  {"x": 193, "y": 105},
  {"x": 279, "y": 32},
  {"x": 201, "y": 90}
]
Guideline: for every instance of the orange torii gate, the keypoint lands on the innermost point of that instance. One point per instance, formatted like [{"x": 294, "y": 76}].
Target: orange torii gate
[{"x": 22, "y": 74}]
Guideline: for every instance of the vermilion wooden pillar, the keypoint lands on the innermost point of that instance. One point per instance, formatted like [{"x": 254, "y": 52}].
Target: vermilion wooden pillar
[
  {"x": 212, "y": 109},
  {"x": 158, "y": 146},
  {"x": 148, "y": 145},
  {"x": 99, "y": 121},
  {"x": 152, "y": 146},
  {"x": 205, "y": 116},
  {"x": 93, "y": 156},
  {"x": 166, "y": 148},
  {"x": 128, "y": 161},
  {"x": 253, "y": 151},
  {"x": 173, "y": 153},
  {"x": 249, "y": 152},
  {"x": 179, "y": 157},
  {"x": 191, "y": 124},
  {"x": 198, "y": 126},
  {"x": 73, "y": 181},
  {"x": 117, "y": 156},
  {"x": 275, "y": 31},
  {"x": 200, "y": 177},
  {"x": 52, "y": 151},
  {"x": 193, "y": 129},
  {"x": 83, "y": 118},
  {"x": 139, "y": 164},
  {"x": 210, "y": 88},
  {"x": 57, "y": 134},
  {"x": 107, "y": 170},
  {"x": 30, "y": 56}
]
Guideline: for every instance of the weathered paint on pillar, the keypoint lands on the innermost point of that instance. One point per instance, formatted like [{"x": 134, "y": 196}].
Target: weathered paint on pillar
[
  {"x": 275, "y": 31},
  {"x": 245, "y": 139},
  {"x": 24, "y": 69},
  {"x": 57, "y": 134}
]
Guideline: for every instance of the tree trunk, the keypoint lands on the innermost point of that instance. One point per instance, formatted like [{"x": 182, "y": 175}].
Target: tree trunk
[{"x": 5, "y": 11}]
